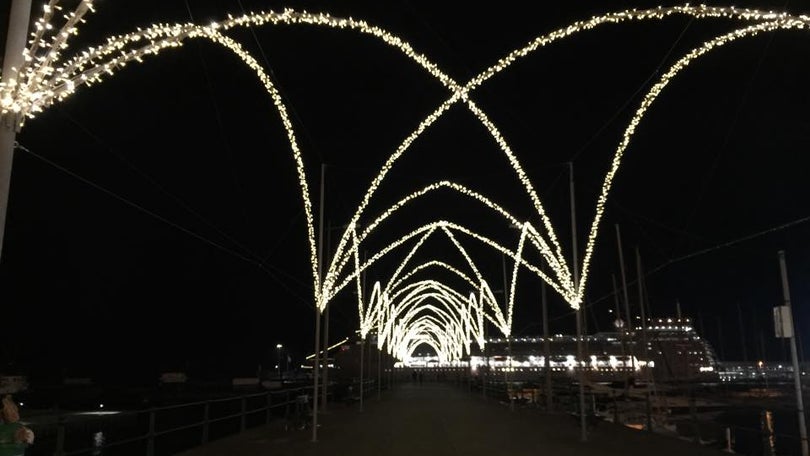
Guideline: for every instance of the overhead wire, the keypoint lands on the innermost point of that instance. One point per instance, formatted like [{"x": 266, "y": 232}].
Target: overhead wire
[
  {"x": 633, "y": 96},
  {"x": 280, "y": 89},
  {"x": 218, "y": 116},
  {"x": 262, "y": 261},
  {"x": 695, "y": 254},
  {"x": 234, "y": 253},
  {"x": 707, "y": 179},
  {"x": 153, "y": 182}
]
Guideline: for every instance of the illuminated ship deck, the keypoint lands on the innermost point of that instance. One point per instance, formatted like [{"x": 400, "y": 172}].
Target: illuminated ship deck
[{"x": 674, "y": 352}]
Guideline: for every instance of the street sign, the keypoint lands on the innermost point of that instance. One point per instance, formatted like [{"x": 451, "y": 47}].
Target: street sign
[{"x": 782, "y": 322}]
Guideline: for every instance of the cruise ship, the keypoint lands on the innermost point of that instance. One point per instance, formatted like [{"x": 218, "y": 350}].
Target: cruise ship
[{"x": 674, "y": 352}]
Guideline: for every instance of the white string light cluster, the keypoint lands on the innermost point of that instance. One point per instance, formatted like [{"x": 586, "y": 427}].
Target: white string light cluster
[
  {"x": 434, "y": 305},
  {"x": 44, "y": 78}
]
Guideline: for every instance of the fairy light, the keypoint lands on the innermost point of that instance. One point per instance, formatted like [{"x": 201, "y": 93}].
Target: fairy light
[
  {"x": 456, "y": 320},
  {"x": 433, "y": 263},
  {"x": 420, "y": 193},
  {"x": 44, "y": 79},
  {"x": 401, "y": 310},
  {"x": 446, "y": 227},
  {"x": 445, "y": 331},
  {"x": 340, "y": 259},
  {"x": 648, "y": 100},
  {"x": 416, "y": 292},
  {"x": 469, "y": 324}
]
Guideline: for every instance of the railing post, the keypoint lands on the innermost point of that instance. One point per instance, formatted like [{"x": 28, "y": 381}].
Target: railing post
[
  {"x": 206, "y": 418},
  {"x": 243, "y": 417},
  {"x": 60, "y": 436},
  {"x": 150, "y": 436},
  {"x": 269, "y": 406},
  {"x": 729, "y": 445}
]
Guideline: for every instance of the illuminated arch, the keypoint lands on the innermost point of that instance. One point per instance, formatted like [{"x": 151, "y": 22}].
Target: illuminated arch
[{"x": 42, "y": 84}]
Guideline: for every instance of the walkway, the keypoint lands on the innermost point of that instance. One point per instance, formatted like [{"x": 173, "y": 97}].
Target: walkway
[{"x": 435, "y": 419}]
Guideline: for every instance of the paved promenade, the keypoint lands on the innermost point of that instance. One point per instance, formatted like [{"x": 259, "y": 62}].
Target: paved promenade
[{"x": 435, "y": 419}]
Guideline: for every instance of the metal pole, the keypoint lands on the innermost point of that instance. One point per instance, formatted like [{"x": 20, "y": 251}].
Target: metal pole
[
  {"x": 546, "y": 346},
  {"x": 621, "y": 332},
  {"x": 60, "y": 436},
  {"x": 626, "y": 300},
  {"x": 742, "y": 333},
  {"x": 575, "y": 255},
  {"x": 379, "y": 367},
  {"x": 206, "y": 421},
  {"x": 150, "y": 435},
  {"x": 368, "y": 363},
  {"x": 762, "y": 352},
  {"x": 315, "y": 370},
  {"x": 720, "y": 338},
  {"x": 485, "y": 372},
  {"x": 644, "y": 349},
  {"x": 754, "y": 323},
  {"x": 362, "y": 349},
  {"x": 508, "y": 375},
  {"x": 243, "y": 417},
  {"x": 794, "y": 357},
  {"x": 362, "y": 343},
  {"x": 18, "y": 21},
  {"x": 325, "y": 393},
  {"x": 269, "y": 407},
  {"x": 317, "y": 366},
  {"x": 278, "y": 360}
]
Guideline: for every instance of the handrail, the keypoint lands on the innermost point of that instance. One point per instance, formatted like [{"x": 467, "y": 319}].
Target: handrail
[{"x": 152, "y": 433}]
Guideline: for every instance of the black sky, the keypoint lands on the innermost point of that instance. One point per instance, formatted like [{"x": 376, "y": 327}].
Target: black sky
[{"x": 137, "y": 222}]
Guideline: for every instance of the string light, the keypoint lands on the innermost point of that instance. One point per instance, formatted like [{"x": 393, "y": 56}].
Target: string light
[{"x": 44, "y": 79}]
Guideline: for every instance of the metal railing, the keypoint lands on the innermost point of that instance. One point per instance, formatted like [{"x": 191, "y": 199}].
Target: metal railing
[
  {"x": 236, "y": 409},
  {"x": 242, "y": 411}
]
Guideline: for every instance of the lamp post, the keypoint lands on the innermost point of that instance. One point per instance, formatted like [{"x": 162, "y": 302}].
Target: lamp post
[
  {"x": 790, "y": 332},
  {"x": 278, "y": 361},
  {"x": 574, "y": 263},
  {"x": 508, "y": 377}
]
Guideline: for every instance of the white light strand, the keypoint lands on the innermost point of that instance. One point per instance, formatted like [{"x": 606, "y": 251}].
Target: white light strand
[
  {"x": 433, "y": 263},
  {"x": 645, "y": 105},
  {"x": 371, "y": 311},
  {"x": 41, "y": 81},
  {"x": 341, "y": 257}
]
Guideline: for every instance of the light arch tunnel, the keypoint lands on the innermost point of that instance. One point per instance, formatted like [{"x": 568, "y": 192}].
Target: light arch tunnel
[
  {"x": 408, "y": 310},
  {"x": 405, "y": 348},
  {"x": 45, "y": 79}
]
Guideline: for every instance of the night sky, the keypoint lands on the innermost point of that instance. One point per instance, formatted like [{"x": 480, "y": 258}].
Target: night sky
[{"x": 156, "y": 222}]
